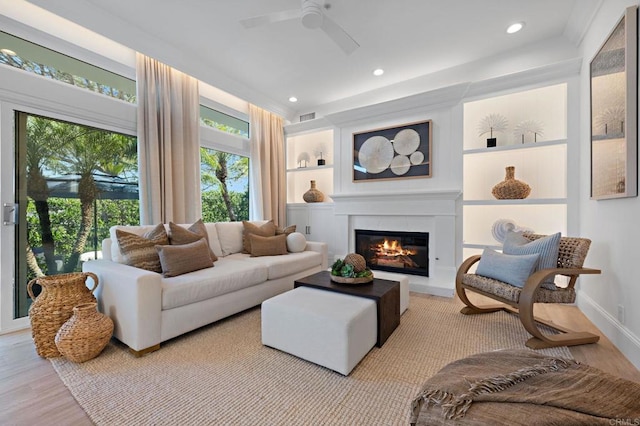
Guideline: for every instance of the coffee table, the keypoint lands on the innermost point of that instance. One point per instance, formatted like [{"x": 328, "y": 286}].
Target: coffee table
[{"x": 385, "y": 293}]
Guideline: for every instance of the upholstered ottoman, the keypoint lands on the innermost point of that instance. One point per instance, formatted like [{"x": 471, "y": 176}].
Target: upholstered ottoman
[
  {"x": 404, "y": 286},
  {"x": 329, "y": 329}
]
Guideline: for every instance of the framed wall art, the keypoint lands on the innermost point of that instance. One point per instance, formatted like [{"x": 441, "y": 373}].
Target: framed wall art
[
  {"x": 399, "y": 152},
  {"x": 614, "y": 100}
]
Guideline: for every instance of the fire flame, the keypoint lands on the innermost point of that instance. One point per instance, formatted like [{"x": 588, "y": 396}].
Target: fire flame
[{"x": 392, "y": 248}]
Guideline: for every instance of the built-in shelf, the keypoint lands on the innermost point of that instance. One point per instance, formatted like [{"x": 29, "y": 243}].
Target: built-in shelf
[
  {"x": 482, "y": 246},
  {"x": 515, "y": 147},
  {"x": 310, "y": 168},
  {"x": 526, "y": 201}
]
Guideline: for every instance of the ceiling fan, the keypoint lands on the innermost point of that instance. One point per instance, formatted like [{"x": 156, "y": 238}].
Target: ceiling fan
[{"x": 312, "y": 16}]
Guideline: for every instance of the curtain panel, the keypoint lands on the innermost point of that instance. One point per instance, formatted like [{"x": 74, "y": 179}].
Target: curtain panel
[
  {"x": 168, "y": 143},
  {"x": 268, "y": 184}
]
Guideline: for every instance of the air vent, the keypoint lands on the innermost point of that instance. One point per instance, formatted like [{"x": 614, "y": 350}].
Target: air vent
[{"x": 310, "y": 116}]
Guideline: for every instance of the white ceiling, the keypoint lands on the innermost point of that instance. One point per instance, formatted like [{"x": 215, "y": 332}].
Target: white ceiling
[{"x": 268, "y": 64}]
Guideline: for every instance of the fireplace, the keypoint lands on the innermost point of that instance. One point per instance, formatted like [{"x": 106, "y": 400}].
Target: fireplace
[{"x": 394, "y": 251}]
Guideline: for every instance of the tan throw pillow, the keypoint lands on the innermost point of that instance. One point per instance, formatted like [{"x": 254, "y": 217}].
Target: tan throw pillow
[
  {"x": 266, "y": 230},
  {"x": 139, "y": 250},
  {"x": 288, "y": 230},
  {"x": 179, "y": 235},
  {"x": 178, "y": 260},
  {"x": 268, "y": 246}
]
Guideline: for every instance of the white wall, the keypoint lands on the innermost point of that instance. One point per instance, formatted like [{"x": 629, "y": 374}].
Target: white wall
[{"x": 612, "y": 225}]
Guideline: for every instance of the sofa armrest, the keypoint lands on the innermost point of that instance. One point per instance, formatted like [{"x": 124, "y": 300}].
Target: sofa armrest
[
  {"x": 132, "y": 297},
  {"x": 321, "y": 248}
]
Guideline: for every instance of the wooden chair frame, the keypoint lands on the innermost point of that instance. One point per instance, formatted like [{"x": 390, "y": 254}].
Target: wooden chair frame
[{"x": 524, "y": 307}]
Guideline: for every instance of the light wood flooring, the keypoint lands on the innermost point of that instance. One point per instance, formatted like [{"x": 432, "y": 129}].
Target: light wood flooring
[{"x": 32, "y": 394}]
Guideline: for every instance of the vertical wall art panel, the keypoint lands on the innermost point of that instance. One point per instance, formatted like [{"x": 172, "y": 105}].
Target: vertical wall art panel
[{"x": 614, "y": 99}]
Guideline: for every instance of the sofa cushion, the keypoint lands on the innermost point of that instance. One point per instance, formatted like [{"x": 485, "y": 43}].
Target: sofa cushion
[
  {"x": 230, "y": 236},
  {"x": 227, "y": 276},
  {"x": 182, "y": 258},
  {"x": 179, "y": 234},
  {"x": 282, "y": 266},
  {"x": 214, "y": 240},
  {"x": 267, "y": 229},
  {"x": 296, "y": 242},
  {"x": 268, "y": 246},
  {"x": 116, "y": 253},
  {"x": 139, "y": 250}
]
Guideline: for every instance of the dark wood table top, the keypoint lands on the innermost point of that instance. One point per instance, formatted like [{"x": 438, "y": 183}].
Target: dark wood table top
[{"x": 373, "y": 290}]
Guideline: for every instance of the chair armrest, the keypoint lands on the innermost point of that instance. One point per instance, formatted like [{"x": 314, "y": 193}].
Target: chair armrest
[
  {"x": 322, "y": 248},
  {"x": 467, "y": 264},
  {"x": 132, "y": 297},
  {"x": 527, "y": 296}
]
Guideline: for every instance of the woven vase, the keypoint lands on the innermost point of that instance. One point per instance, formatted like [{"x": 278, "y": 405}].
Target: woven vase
[
  {"x": 85, "y": 334},
  {"x": 313, "y": 195},
  {"x": 54, "y": 306},
  {"x": 511, "y": 188}
]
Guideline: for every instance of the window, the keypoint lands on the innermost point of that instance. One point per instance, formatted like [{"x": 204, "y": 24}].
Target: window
[
  {"x": 73, "y": 183},
  {"x": 48, "y": 63},
  {"x": 225, "y": 186},
  {"x": 218, "y": 120}
]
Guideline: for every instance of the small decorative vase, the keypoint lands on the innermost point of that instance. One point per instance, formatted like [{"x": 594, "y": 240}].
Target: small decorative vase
[
  {"x": 313, "y": 195},
  {"x": 511, "y": 188},
  {"x": 85, "y": 334},
  {"x": 54, "y": 305}
]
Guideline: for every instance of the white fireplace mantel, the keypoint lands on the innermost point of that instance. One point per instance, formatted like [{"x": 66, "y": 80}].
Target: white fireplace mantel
[{"x": 436, "y": 212}]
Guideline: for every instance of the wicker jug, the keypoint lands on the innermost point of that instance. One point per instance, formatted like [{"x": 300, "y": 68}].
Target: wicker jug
[
  {"x": 313, "y": 195},
  {"x": 85, "y": 334},
  {"x": 54, "y": 306},
  {"x": 511, "y": 188}
]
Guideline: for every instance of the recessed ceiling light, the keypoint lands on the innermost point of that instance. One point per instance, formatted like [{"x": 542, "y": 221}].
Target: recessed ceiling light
[
  {"x": 293, "y": 99},
  {"x": 514, "y": 28},
  {"x": 8, "y": 52},
  {"x": 378, "y": 72}
]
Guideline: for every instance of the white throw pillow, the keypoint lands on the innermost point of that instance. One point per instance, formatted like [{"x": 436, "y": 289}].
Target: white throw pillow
[{"x": 296, "y": 242}]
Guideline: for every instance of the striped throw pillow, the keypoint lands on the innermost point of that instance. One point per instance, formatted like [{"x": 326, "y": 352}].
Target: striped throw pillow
[
  {"x": 140, "y": 250},
  {"x": 546, "y": 247}
]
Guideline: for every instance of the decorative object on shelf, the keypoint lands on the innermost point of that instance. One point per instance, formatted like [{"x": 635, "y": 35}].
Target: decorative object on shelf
[
  {"x": 319, "y": 149},
  {"x": 511, "y": 188},
  {"x": 501, "y": 227},
  {"x": 313, "y": 195},
  {"x": 492, "y": 123},
  {"x": 614, "y": 110},
  {"x": 85, "y": 334},
  {"x": 528, "y": 131},
  {"x": 303, "y": 157},
  {"x": 398, "y": 152},
  {"x": 351, "y": 270},
  {"x": 54, "y": 306}
]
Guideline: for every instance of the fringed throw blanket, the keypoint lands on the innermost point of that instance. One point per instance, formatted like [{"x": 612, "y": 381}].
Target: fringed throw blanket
[{"x": 516, "y": 387}]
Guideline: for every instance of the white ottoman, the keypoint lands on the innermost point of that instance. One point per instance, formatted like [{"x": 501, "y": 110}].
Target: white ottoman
[
  {"x": 404, "y": 286},
  {"x": 329, "y": 329}
]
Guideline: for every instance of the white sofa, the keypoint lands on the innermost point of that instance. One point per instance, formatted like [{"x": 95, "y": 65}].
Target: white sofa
[{"x": 148, "y": 309}]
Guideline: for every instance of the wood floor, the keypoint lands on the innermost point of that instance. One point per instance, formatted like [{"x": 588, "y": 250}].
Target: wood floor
[{"x": 32, "y": 394}]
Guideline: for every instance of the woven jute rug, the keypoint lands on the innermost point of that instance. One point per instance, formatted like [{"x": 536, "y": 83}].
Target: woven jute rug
[{"x": 221, "y": 374}]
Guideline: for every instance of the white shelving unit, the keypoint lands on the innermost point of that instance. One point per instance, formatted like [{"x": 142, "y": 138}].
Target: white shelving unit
[{"x": 541, "y": 164}]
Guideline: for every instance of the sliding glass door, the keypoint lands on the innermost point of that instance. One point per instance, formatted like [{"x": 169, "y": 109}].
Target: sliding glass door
[{"x": 71, "y": 183}]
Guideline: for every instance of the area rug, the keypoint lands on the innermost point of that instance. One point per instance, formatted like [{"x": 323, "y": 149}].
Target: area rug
[{"x": 221, "y": 374}]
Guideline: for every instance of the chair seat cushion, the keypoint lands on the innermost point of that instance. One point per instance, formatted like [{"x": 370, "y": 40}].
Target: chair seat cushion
[{"x": 512, "y": 293}]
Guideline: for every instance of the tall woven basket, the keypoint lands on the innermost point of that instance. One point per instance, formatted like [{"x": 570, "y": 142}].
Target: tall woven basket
[{"x": 54, "y": 306}]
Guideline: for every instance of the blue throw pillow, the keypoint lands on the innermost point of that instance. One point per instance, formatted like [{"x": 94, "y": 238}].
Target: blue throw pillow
[
  {"x": 547, "y": 248},
  {"x": 511, "y": 269}
]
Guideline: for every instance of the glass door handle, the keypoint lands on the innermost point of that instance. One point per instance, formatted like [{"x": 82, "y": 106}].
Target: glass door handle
[{"x": 9, "y": 214}]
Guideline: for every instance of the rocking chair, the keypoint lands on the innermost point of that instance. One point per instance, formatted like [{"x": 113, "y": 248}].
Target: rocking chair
[{"x": 520, "y": 301}]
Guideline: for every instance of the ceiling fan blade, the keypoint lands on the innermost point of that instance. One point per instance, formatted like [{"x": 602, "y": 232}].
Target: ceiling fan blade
[
  {"x": 271, "y": 18},
  {"x": 338, "y": 35}
]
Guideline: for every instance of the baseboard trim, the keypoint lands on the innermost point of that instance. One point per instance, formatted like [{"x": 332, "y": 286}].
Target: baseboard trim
[
  {"x": 430, "y": 289},
  {"x": 627, "y": 342}
]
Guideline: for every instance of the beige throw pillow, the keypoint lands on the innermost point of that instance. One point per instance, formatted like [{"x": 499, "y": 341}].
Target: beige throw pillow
[
  {"x": 139, "y": 250},
  {"x": 288, "y": 230},
  {"x": 179, "y": 235},
  {"x": 266, "y": 230},
  {"x": 268, "y": 246},
  {"x": 180, "y": 259}
]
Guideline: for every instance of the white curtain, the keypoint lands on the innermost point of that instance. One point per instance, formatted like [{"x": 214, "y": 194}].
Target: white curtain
[
  {"x": 268, "y": 185},
  {"x": 168, "y": 143}
]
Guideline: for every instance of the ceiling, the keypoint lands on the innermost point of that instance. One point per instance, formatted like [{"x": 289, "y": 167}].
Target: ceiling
[{"x": 266, "y": 65}]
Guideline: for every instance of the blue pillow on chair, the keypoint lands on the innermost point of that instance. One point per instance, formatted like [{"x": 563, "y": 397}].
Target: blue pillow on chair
[
  {"x": 547, "y": 247},
  {"x": 511, "y": 269}
]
